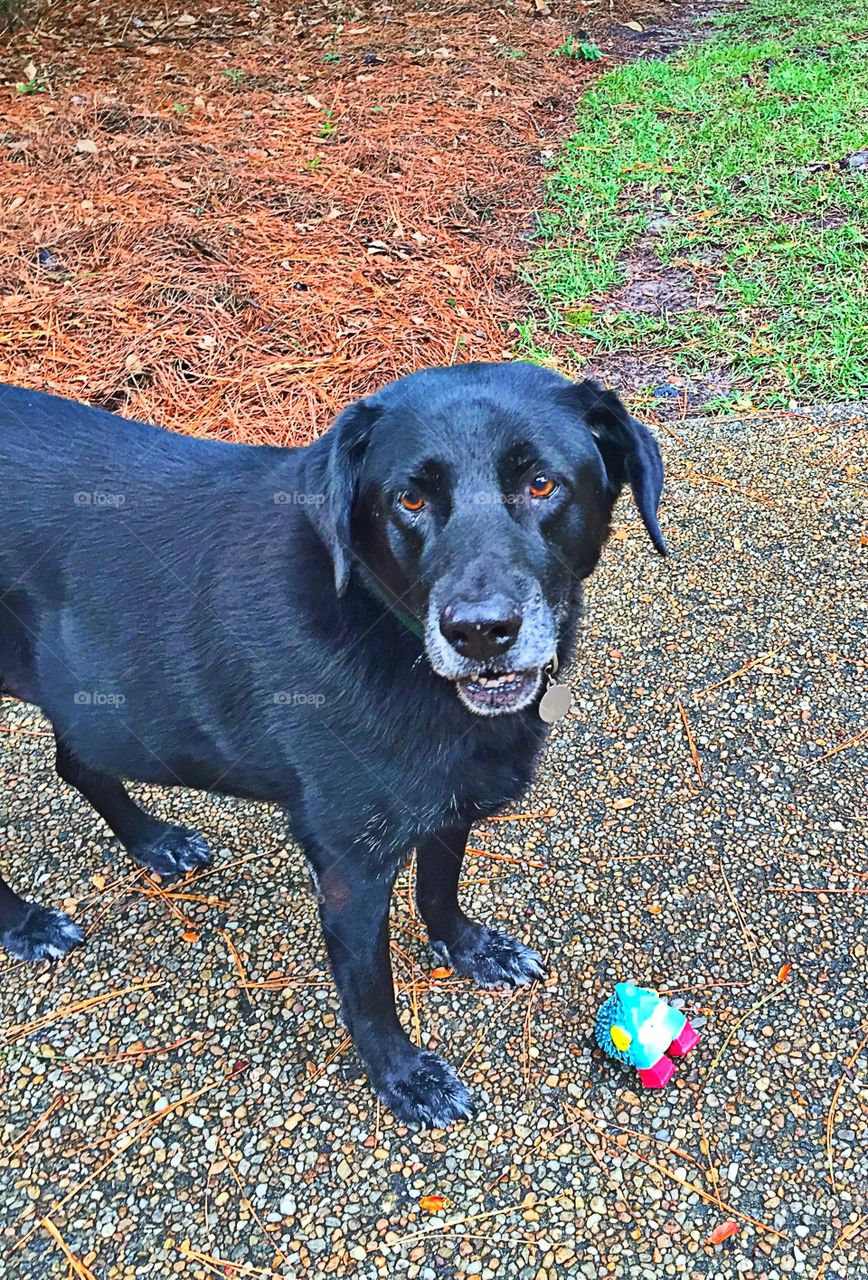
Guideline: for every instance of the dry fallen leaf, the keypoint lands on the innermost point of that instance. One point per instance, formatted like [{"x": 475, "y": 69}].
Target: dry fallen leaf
[
  {"x": 86, "y": 147},
  {"x": 624, "y": 803},
  {"x": 655, "y": 910},
  {"x": 432, "y": 1204},
  {"x": 723, "y": 1231},
  {"x": 190, "y": 935},
  {"x": 441, "y": 973},
  {"x": 784, "y": 972},
  {"x": 634, "y": 26}
]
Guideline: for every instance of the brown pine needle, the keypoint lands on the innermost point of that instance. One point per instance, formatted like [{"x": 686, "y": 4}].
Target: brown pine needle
[
  {"x": 314, "y": 1073},
  {"x": 683, "y": 1182},
  {"x": 798, "y": 888},
  {"x": 150, "y": 1123},
  {"x": 618, "y": 1189},
  {"x": 708, "y": 1196},
  {"x": 842, "y": 746},
  {"x": 37, "y": 1124},
  {"x": 154, "y": 1118},
  {"x": 76, "y": 1266},
  {"x": 527, "y": 1054},
  {"x": 283, "y": 982},
  {"x": 750, "y": 665},
  {"x": 224, "y": 1267},
  {"x": 770, "y": 995},
  {"x": 690, "y": 474},
  {"x": 175, "y": 896},
  {"x": 503, "y": 857},
  {"x": 280, "y": 1257},
  {"x": 749, "y": 940},
  {"x": 246, "y": 985},
  {"x": 715, "y": 1199},
  {"x": 510, "y": 997},
  {"x": 439, "y": 1230},
  {"x": 522, "y": 817},
  {"x": 70, "y": 1010},
  {"x": 691, "y": 744},
  {"x": 230, "y": 866},
  {"x": 30, "y": 733},
  {"x": 157, "y": 891},
  {"x": 830, "y": 1118},
  {"x": 131, "y": 1054},
  {"x": 852, "y": 1229}
]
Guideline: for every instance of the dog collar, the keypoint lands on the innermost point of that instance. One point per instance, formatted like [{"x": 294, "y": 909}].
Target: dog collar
[{"x": 408, "y": 620}]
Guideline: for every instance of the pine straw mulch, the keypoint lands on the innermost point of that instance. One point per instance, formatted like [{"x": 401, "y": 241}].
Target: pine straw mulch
[{"x": 234, "y": 220}]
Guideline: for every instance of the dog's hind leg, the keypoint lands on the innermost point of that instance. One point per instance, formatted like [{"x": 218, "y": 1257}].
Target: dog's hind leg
[
  {"x": 490, "y": 958},
  {"x": 31, "y": 932},
  {"x": 169, "y": 850}
]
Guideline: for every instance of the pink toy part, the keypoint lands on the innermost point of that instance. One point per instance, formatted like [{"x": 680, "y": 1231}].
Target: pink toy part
[
  {"x": 683, "y": 1043},
  {"x": 658, "y": 1076}
]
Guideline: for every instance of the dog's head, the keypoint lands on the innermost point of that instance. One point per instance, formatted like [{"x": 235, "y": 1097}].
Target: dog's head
[{"x": 475, "y": 499}]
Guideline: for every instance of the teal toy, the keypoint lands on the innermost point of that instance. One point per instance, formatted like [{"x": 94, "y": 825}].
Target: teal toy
[{"x": 638, "y": 1027}]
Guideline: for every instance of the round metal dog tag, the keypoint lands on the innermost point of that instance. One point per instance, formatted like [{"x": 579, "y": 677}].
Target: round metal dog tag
[{"x": 555, "y": 703}]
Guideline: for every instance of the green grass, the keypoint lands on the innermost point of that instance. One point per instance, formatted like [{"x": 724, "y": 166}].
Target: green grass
[{"x": 721, "y": 139}]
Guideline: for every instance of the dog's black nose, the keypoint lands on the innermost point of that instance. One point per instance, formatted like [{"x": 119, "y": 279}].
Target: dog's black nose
[{"x": 481, "y": 629}]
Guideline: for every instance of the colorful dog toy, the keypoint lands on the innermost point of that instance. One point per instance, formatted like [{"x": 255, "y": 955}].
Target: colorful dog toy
[{"x": 637, "y": 1026}]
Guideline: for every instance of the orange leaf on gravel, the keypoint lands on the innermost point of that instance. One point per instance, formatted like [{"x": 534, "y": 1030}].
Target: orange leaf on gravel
[
  {"x": 723, "y": 1231},
  {"x": 432, "y": 1204},
  {"x": 784, "y": 972},
  {"x": 441, "y": 973}
]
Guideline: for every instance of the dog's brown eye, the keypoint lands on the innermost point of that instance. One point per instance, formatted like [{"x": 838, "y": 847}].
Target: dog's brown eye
[
  {"x": 411, "y": 501},
  {"x": 542, "y": 487}
]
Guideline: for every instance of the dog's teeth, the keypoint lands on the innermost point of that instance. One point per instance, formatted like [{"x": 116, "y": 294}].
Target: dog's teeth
[{"x": 495, "y": 682}]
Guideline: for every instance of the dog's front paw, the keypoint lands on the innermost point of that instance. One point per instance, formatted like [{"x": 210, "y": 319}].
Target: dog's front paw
[
  {"x": 424, "y": 1091},
  {"x": 42, "y": 933},
  {"x": 491, "y": 958},
  {"x": 174, "y": 853}
]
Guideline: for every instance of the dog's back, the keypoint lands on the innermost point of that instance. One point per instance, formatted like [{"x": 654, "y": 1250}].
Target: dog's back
[{"x": 116, "y": 542}]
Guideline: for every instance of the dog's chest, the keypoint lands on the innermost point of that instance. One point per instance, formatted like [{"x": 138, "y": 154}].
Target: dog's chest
[{"x": 455, "y": 785}]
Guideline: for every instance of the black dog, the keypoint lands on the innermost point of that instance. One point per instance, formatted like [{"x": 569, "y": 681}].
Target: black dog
[{"x": 359, "y": 630}]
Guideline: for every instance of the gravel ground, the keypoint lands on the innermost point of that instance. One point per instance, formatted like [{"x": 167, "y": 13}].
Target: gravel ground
[{"x": 255, "y": 1143}]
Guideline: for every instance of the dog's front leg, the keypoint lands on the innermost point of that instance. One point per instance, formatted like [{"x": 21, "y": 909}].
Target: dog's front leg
[
  {"x": 31, "y": 932},
  {"x": 489, "y": 957},
  {"x": 418, "y": 1087}
]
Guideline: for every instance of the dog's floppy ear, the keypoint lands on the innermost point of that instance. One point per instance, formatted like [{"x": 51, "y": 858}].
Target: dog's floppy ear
[
  {"x": 331, "y": 472},
  {"x": 629, "y": 450}
]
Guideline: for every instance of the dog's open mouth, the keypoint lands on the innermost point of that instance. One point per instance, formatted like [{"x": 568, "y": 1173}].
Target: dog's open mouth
[{"x": 495, "y": 692}]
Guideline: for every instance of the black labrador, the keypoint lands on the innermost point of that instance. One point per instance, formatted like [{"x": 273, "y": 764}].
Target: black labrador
[{"x": 360, "y": 630}]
